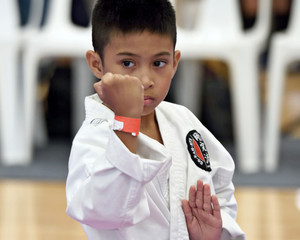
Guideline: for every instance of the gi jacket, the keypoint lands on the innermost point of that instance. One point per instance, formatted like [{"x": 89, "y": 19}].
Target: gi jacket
[{"x": 116, "y": 194}]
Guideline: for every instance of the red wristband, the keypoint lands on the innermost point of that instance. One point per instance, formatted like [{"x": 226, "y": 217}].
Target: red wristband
[{"x": 129, "y": 125}]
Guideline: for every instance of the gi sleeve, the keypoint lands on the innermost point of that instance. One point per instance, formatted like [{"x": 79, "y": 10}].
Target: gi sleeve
[
  {"x": 220, "y": 179},
  {"x": 106, "y": 182},
  {"x": 222, "y": 173}
]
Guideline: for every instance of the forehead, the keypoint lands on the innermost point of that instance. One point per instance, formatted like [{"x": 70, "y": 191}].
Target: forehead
[{"x": 139, "y": 42}]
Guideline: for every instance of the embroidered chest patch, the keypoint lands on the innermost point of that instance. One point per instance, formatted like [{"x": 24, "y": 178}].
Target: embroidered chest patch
[{"x": 197, "y": 150}]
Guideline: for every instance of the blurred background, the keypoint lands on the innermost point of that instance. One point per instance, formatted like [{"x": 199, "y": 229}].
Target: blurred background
[{"x": 239, "y": 73}]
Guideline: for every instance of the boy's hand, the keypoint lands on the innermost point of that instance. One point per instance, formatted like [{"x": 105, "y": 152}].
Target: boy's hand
[
  {"x": 202, "y": 214},
  {"x": 123, "y": 94}
]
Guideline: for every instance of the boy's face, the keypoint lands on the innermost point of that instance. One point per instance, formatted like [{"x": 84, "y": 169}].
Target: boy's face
[{"x": 147, "y": 56}]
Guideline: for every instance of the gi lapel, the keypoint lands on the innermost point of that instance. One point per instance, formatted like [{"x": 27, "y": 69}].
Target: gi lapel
[{"x": 174, "y": 142}]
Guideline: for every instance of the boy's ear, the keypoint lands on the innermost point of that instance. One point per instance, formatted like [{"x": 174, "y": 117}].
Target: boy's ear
[
  {"x": 94, "y": 61},
  {"x": 177, "y": 56}
]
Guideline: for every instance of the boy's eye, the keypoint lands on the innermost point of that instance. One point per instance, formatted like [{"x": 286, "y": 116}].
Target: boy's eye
[
  {"x": 159, "y": 63},
  {"x": 128, "y": 63}
]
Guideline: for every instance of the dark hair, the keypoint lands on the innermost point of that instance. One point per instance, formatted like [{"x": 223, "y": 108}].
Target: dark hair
[{"x": 128, "y": 16}]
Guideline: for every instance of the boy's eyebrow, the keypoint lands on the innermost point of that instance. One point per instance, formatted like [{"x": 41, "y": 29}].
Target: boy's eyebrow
[
  {"x": 127, "y": 54},
  {"x": 136, "y": 55},
  {"x": 163, "y": 54}
]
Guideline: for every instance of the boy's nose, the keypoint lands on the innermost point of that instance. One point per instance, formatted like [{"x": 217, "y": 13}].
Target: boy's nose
[{"x": 146, "y": 80}]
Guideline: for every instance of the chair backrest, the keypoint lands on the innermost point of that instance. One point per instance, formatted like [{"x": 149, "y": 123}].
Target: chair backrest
[
  {"x": 214, "y": 17},
  {"x": 35, "y": 13},
  {"x": 262, "y": 27},
  {"x": 294, "y": 22},
  {"x": 225, "y": 17},
  {"x": 263, "y": 17},
  {"x": 58, "y": 14},
  {"x": 10, "y": 18},
  {"x": 219, "y": 17}
]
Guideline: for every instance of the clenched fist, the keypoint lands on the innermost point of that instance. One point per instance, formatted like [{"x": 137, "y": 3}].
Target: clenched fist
[{"x": 123, "y": 94}]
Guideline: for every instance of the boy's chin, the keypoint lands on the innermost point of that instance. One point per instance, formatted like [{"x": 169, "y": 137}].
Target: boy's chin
[{"x": 147, "y": 112}]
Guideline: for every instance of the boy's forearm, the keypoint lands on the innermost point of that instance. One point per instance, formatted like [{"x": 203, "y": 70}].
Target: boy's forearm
[{"x": 128, "y": 139}]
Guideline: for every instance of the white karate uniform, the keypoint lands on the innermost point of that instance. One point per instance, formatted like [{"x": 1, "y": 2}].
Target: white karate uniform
[{"x": 118, "y": 195}]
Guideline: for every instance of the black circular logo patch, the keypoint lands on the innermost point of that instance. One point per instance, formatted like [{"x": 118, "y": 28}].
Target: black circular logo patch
[{"x": 197, "y": 150}]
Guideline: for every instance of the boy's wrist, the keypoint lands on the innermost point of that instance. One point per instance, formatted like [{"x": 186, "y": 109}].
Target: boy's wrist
[
  {"x": 126, "y": 124},
  {"x": 129, "y": 112}
]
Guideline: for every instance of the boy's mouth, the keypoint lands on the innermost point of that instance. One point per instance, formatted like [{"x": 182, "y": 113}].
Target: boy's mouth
[{"x": 148, "y": 100}]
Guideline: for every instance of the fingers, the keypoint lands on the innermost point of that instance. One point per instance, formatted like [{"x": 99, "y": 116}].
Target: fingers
[
  {"x": 201, "y": 198},
  {"x": 192, "y": 197},
  {"x": 123, "y": 94},
  {"x": 216, "y": 207},
  {"x": 199, "y": 194},
  {"x": 207, "y": 199},
  {"x": 98, "y": 88},
  {"x": 187, "y": 211}
]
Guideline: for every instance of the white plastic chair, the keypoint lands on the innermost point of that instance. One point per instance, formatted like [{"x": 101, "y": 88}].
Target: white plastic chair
[
  {"x": 284, "y": 49},
  {"x": 10, "y": 123},
  {"x": 58, "y": 37},
  {"x": 218, "y": 34},
  {"x": 12, "y": 44}
]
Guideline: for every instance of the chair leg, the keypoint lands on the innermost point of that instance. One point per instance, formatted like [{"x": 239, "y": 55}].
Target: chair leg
[
  {"x": 188, "y": 87},
  {"x": 275, "y": 86},
  {"x": 12, "y": 135},
  {"x": 82, "y": 86},
  {"x": 246, "y": 110},
  {"x": 40, "y": 134},
  {"x": 30, "y": 63}
]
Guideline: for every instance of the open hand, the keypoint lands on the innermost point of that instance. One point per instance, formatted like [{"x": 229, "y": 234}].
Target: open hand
[{"x": 202, "y": 213}]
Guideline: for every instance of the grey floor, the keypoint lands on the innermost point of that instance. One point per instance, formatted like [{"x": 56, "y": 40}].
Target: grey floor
[
  {"x": 287, "y": 174},
  {"x": 51, "y": 163}
]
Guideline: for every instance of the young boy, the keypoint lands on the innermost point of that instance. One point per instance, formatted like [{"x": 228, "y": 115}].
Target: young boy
[{"x": 136, "y": 157}]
